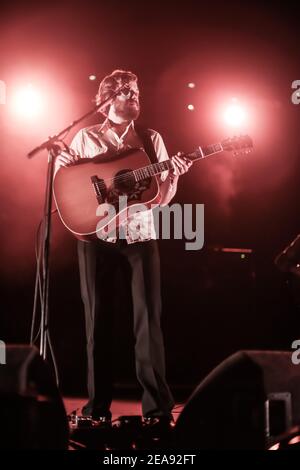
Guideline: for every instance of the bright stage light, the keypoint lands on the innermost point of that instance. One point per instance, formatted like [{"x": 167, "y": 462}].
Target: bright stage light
[
  {"x": 2, "y": 92},
  {"x": 27, "y": 102},
  {"x": 92, "y": 77},
  {"x": 191, "y": 85},
  {"x": 191, "y": 107},
  {"x": 235, "y": 115}
]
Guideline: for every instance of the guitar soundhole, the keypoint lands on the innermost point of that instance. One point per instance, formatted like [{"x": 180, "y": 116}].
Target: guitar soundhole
[
  {"x": 125, "y": 184},
  {"x": 124, "y": 181}
]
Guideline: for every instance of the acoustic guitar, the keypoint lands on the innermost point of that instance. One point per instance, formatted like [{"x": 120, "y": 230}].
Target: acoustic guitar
[{"x": 90, "y": 184}]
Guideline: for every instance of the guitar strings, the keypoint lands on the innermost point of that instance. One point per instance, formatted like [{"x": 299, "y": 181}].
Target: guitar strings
[
  {"x": 168, "y": 162},
  {"x": 100, "y": 184},
  {"x": 128, "y": 175},
  {"x": 125, "y": 176}
]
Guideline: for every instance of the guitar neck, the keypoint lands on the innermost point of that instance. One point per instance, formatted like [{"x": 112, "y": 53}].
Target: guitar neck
[{"x": 160, "y": 167}]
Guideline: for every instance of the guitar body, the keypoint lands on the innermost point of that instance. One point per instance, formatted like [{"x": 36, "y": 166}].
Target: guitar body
[
  {"x": 87, "y": 187},
  {"x": 87, "y": 193}
]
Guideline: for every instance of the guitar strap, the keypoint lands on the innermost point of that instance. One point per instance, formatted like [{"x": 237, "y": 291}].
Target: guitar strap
[{"x": 145, "y": 136}]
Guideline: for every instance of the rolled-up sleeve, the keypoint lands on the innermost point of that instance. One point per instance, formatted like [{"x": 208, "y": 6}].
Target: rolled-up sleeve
[
  {"x": 78, "y": 144},
  {"x": 161, "y": 151}
]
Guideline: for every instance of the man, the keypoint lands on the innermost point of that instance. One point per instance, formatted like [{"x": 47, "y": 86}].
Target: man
[{"x": 136, "y": 253}]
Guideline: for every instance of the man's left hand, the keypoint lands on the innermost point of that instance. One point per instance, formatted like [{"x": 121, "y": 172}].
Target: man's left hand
[{"x": 180, "y": 164}]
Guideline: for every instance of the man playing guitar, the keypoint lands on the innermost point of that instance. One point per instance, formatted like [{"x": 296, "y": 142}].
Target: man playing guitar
[{"x": 138, "y": 255}]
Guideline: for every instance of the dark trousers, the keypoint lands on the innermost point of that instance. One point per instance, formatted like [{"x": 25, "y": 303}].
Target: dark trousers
[{"x": 99, "y": 262}]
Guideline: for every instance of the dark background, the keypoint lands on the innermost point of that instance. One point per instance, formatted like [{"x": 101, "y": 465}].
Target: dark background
[{"x": 215, "y": 303}]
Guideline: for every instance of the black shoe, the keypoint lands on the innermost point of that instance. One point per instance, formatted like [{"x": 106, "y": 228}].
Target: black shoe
[
  {"x": 103, "y": 421},
  {"x": 96, "y": 412},
  {"x": 159, "y": 425},
  {"x": 89, "y": 420},
  {"x": 77, "y": 421}
]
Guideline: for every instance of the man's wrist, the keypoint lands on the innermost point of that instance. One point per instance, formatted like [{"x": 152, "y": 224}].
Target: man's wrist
[
  {"x": 173, "y": 177},
  {"x": 173, "y": 180}
]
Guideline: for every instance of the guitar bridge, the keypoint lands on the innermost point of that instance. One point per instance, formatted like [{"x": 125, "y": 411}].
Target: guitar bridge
[{"x": 99, "y": 188}]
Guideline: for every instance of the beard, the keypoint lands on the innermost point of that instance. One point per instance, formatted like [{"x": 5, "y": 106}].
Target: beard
[{"x": 129, "y": 110}]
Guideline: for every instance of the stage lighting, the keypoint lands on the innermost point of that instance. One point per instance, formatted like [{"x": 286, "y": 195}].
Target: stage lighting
[
  {"x": 2, "y": 92},
  {"x": 235, "y": 115},
  {"x": 92, "y": 77},
  {"x": 191, "y": 107},
  {"x": 27, "y": 102},
  {"x": 191, "y": 85}
]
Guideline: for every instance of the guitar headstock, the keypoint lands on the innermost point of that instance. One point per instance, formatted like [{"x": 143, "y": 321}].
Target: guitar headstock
[{"x": 238, "y": 144}]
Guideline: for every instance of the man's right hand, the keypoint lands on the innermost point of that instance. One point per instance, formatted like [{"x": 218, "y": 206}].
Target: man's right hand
[{"x": 66, "y": 158}]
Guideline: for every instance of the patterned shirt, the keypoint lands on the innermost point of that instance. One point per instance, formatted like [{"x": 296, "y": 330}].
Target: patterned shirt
[{"x": 102, "y": 138}]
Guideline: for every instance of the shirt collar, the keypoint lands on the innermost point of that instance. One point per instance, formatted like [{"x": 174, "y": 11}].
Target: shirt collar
[{"x": 107, "y": 125}]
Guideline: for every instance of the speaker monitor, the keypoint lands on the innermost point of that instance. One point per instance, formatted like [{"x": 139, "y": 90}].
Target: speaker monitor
[
  {"x": 31, "y": 408},
  {"x": 244, "y": 403}
]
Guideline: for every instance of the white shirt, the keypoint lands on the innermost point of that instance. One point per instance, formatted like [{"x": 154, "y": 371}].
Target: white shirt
[{"x": 101, "y": 138}]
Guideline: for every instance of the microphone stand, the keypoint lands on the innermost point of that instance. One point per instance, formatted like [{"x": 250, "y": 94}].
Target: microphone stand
[{"x": 53, "y": 148}]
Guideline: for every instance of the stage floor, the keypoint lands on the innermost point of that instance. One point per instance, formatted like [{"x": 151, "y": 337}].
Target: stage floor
[{"x": 120, "y": 407}]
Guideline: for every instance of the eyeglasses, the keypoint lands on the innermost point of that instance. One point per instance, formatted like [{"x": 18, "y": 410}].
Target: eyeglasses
[{"x": 129, "y": 93}]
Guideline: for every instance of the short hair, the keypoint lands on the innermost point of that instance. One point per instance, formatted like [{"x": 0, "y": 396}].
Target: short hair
[{"x": 110, "y": 84}]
